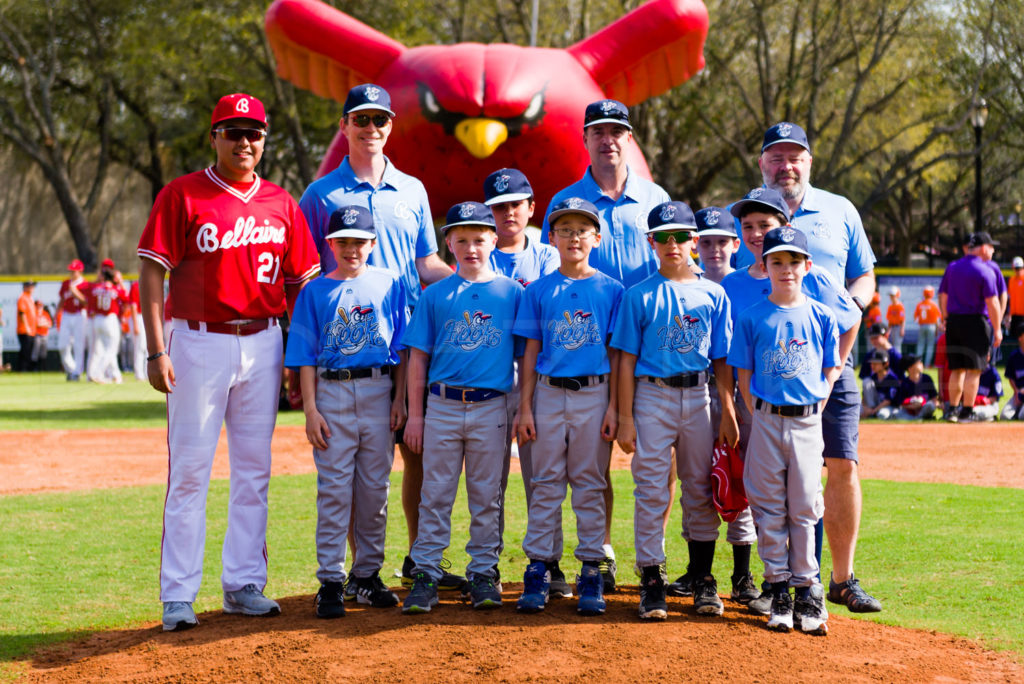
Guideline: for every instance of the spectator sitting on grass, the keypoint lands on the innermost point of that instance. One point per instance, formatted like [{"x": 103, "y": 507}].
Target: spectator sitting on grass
[
  {"x": 990, "y": 390},
  {"x": 878, "y": 336},
  {"x": 917, "y": 395},
  {"x": 879, "y": 390}
]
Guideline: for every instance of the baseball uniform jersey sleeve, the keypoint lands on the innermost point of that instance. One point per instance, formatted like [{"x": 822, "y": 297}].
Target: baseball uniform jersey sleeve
[
  {"x": 573, "y": 319},
  {"x": 246, "y": 241},
  {"x": 355, "y": 323}
]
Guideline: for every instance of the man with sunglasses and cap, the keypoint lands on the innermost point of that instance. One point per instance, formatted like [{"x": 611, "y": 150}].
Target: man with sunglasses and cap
[
  {"x": 238, "y": 252},
  {"x": 406, "y": 242},
  {"x": 838, "y": 243},
  {"x": 623, "y": 200}
]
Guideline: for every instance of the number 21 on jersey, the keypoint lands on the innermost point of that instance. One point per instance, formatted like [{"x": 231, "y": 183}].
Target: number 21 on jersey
[{"x": 269, "y": 267}]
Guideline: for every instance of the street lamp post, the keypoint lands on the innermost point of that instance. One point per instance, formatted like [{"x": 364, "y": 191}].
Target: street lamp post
[{"x": 979, "y": 115}]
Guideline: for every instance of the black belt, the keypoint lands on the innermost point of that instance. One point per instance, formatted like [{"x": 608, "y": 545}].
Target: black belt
[
  {"x": 683, "y": 380},
  {"x": 575, "y": 384},
  {"x": 463, "y": 394},
  {"x": 786, "y": 411},
  {"x": 241, "y": 329},
  {"x": 344, "y": 374}
]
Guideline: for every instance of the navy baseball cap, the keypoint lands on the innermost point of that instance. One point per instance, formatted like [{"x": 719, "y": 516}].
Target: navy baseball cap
[
  {"x": 877, "y": 329},
  {"x": 979, "y": 239},
  {"x": 606, "y": 111},
  {"x": 715, "y": 221},
  {"x": 785, "y": 132},
  {"x": 574, "y": 205},
  {"x": 506, "y": 185},
  {"x": 785, "y": 239},
  {"x": 353, "y": 222},
  {"x": 878, "y": 356},
  {"x": 367, "y": 96},
  {"x": 468, "y": 214},
  {"x": 765, "y": 199},
  {"x": 671, "y": 216}
]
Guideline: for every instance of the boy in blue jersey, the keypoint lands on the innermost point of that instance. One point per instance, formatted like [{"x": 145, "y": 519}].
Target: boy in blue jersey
[
  {"x": 761, "y": 210},
  {"x": 568, "y": 405},
  {"x": 344, "y": 341},
  {"x": 673, "y": 326},
  {"x": 461, "y": 352},
  {"x": 786, "y": 352}
]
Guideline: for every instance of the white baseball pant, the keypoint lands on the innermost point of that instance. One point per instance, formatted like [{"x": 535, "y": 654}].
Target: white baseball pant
[
  {"x": 106, "y": 340},
  {"x": 71, "y": 341}
]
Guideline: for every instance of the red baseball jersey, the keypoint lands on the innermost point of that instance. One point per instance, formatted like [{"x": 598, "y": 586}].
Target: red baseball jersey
[
  {"x": 105, "y": 298},
  {"x": 230, "y": 247},
  {"x": 70, "y": 303}
]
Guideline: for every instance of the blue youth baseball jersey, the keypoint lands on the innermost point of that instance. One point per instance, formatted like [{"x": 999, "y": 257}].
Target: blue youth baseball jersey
[
  {"x": 787, "y": 349},
  {"x": 400, "y": 211},
  {"x": 534, "y": 261},
  {"x": 672, "y": 327},
  {"x": 573, "y": 319},
  {"x": 356, "y": 323},
  {"x": 466, "y": 328}
]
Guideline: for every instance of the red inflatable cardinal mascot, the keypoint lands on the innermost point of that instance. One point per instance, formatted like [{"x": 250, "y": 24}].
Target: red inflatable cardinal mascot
[{"x": 465, "y": 110}]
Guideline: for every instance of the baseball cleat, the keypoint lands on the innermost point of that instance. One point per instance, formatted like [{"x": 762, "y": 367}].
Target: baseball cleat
[
  {"x": 744, "y": 590},
  {"x": 423, "y": 596},
  {"x": 249, "y": 600},
  {"x": 590, "y": 587},
  {"x": 683, "y": 586},
  {"x": 705, "y": 597},
  {"x": 850, "y": 594},
  {"x": 179, "y": 616},
  {"x": 536, "y": 587},
  {"x": 330, "y": 602},
  {"x": 809, "y": 613},
  {"x": 371, "y": 591},
  {"x": 559, "y": 587},
  {"x": 483, "y": 592},
  {"x": 781, "y": 617},
  {"x": 653, "y": 605}
]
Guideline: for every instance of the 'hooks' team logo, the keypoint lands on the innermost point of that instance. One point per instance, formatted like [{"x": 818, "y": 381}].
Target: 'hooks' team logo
[
  {"x": 501, "y": 183},
  {"x": 471, "y": 331},
  {"x": 785, "y": 130},
  {"x": 372, "y": 93},
  {"x": 349, "y": 217},
  {"x": 787, "y": 234},
  {"x": 755, "y": 193},
  {"x": 353, "y": 330},
  {"x": 577, "y": 330},
  {"x": 685, "y": 336},
  {"x": 788, "y": 360},
  {"x": 668, "y": 212},
  {"x": 607, "y": 106},
  {"x": 574, "y": 203},
  {"x": 711, "y": 218},
  {"x": 466, "y": 210}
]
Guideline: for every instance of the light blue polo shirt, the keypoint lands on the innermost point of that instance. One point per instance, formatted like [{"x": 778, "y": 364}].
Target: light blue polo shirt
[
  {"x": 401, "y": 213},
  {"x": 835, "y": 236},
  {"x": 624, "y": 253}
]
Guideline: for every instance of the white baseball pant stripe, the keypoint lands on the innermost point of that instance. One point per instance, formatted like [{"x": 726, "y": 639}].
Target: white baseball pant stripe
[
  {"x": 106, "y": 337},
  {"x": 668, "y": 417},
  {"x": 455, "y": 433},
  {"x": 568, "y": 451},
  {"x": 353, "y": 474},
  {"x": 220, "y": 379},
  {"x": 782, "y": 476},
  {"x": 71, "y": 342}
]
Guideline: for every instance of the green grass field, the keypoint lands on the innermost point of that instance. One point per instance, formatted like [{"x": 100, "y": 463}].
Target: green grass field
[{"x": 941, "y": 557}]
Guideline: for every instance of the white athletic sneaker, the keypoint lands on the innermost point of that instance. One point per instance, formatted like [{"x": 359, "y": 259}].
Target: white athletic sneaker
[
  {"x": 179, "y": 616},
  {"x": 249, "y": 600}
]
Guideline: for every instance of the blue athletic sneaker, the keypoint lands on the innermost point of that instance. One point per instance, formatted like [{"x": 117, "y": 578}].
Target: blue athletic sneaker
[
  {"x": 536, "y": 587},
  {"x": 590, "y": 587},
  {"x": 483, "y": 592}
]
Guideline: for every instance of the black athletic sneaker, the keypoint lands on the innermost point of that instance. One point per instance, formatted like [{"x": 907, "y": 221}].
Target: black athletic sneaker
[
  {"x": 653, "y": 605},
  {"x": 350, "y": 588},
  {"x": 781, "y": 617},
  {"x": 559, "y": 587},
  {"x": 607, "y": 567},
  {"x": 372, "y": 592},
  {"x": 809, "y": 613},
  {"x": 762, "y": 605},
  {"x": 423, "y": 596},
  {"x": 483, "y": 592},
  {"x": 744, "y": 590},
  {"x": 683, "y": 586},
  {"x": 448, "y": 581},
  {"x": 329, "y": 602},
  {"x": 705, "y": 597}
]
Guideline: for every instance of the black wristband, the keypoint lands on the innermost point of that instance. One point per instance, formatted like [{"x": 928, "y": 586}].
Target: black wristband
[
  {"x": 859, "y": 302},
  {"x": 154, "y": 357}
]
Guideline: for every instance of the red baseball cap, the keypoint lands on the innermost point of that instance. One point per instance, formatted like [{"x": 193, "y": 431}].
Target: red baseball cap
[
  {"x": 238, "y": 106},
  {"x": 107, "y": 263},
  {"x": 76, "y": 265}
]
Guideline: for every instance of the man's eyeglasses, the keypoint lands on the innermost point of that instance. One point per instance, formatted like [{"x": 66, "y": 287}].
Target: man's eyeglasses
[
  {"x": 679, "y": 236},
  {"x": 236, "y": 134},
  {"x": 363, "y": 120},
  {"x": 573, "y": 232}
]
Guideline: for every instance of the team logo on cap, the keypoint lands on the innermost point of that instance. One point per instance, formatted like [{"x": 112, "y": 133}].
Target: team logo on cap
[
  {"x": 466, "y": 210},
  {"x": 787, "y": 234},
  {"x": 607, "y": 106},
  {"x": 711, "y": 218},
  {"x": 755, "y": 193},
  {"x": 574, "y": 203},
  {"x": 349, "y": 217},
  {"x": 785, "y": 129},
  {"x": 668, "y": 212},
  {"x": 242, "y": 106},
  {"x": 501, "y": 183},
  {"x": 372, "y": 93}
]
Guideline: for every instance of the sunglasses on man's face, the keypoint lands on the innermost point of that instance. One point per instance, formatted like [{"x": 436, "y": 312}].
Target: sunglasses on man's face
[
  {"x": 663, "y": 236},
  {"x": 236, "y": 134},
  {"x": 363, "y": 120}
]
